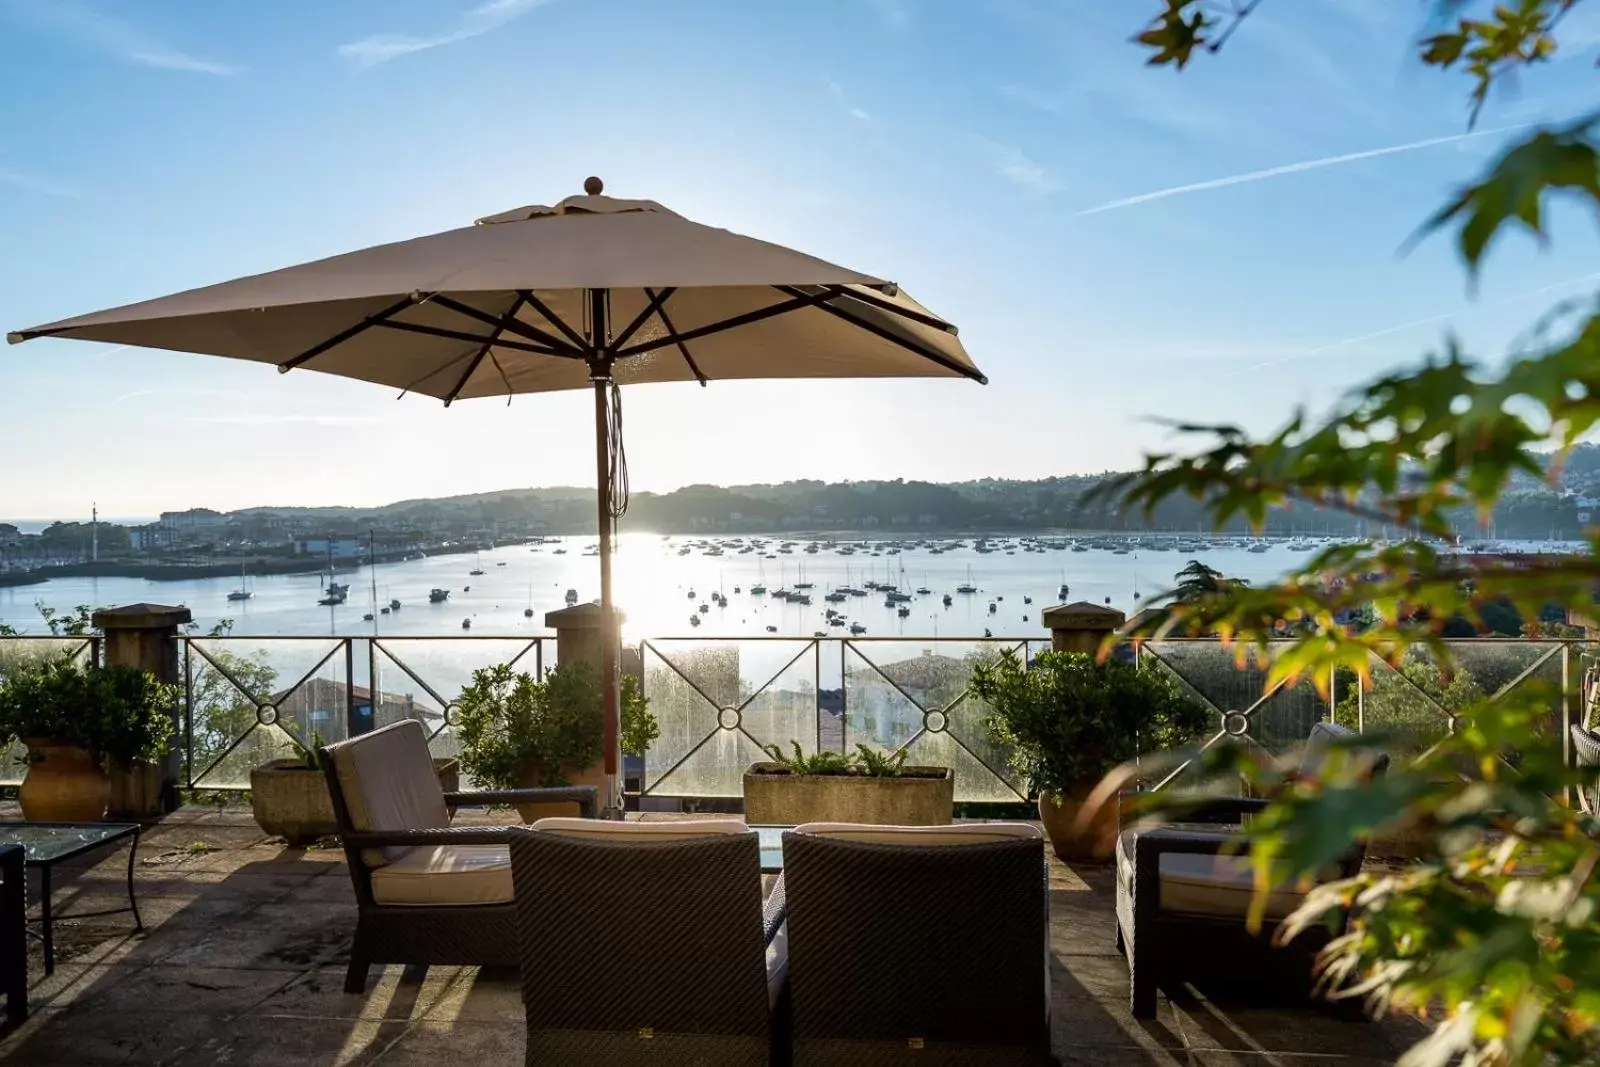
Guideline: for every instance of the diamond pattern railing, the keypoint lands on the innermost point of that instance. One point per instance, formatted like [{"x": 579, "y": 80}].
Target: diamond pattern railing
[
  {"x": 721, "y": 703},
  {"x": 1417, "y": 702}
]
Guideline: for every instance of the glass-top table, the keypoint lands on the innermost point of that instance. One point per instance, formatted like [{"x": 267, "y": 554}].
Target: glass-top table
[
  {"x": 771, "y": 838},
  {"x": 45, "y": 844}
]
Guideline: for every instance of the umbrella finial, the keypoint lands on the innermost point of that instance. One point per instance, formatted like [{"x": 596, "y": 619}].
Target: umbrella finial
[{"x": 593, "y": 186}]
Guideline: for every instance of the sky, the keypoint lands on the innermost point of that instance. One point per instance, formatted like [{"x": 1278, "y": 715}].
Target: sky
[{"x": 1119, "y": 244}]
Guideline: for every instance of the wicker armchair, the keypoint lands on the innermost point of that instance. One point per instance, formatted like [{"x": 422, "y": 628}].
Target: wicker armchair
[
  {"x": 1182, "y": 900},
  {"x": 918, "y": 945},
  {"x": 646, "y": 943},
  {"x": 426, "y": 892},
  {"x": 1586, "y": 753},
  {"x": 13, "y": 933}
]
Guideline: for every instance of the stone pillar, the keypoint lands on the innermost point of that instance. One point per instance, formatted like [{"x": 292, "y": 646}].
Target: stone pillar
[
  {"x": 145, "y": 636},
  {"x": 1080, "y": 627},
  {"x": 578, "y": 634}
]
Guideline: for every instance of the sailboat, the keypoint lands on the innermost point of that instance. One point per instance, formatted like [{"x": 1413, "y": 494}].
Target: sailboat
[
  {"x": 243, "y": 592},
  {"x": 527, "y": 613},
  {"x": 477, "y": 568},
  {"x": 966, "y": 588}
]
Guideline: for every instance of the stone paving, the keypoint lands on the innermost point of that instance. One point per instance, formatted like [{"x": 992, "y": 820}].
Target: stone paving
[{"x": 241, "y": 964}]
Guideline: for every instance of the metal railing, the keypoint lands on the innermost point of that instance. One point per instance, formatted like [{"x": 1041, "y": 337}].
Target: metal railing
[
  {"x": 721, "y": 702},
  {"x": 1416, "y": 704}
]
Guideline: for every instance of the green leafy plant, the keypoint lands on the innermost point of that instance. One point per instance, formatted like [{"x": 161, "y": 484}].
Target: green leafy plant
[
  {"x": 120, "y": 713},
  {"x": 1496, "y": 943},
  {"x": 1066, "y": 720},
  {"x": 863, "y": 762},
  {"x": 516, "y": 730}
]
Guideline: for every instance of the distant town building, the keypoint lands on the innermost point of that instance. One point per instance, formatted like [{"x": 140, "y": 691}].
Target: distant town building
[{"x": 344, "y": 548}]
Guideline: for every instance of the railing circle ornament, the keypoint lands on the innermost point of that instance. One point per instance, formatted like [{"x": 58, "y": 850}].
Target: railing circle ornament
[
  {"x": 451, "y": 710},
  {"x": 267, "y": 714},
  {"x": 934, "y": 720},
  {"x": 1235, "y": 723},
  {"x": 729, "y": 718}
]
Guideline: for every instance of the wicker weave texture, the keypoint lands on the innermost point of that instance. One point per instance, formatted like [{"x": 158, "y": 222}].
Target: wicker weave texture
[
  {"x": 648, "y": 952},
  {"x": 916, "y": 954}
]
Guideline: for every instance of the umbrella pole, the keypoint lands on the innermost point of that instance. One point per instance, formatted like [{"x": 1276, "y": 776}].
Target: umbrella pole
[{"x": 610, "y": 668}]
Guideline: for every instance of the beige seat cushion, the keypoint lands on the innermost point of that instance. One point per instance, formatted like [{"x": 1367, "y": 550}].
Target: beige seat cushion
[
  {"x": 638, "y": 830},
  {"x": 389, "y": 783},
  {"x": 961, "y": 833},
  {"x": 446, "y": 874},
  {"x": 1208, "y": 885}
]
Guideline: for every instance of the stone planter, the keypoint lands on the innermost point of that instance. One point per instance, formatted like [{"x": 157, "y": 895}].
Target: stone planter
[
  {"x": 290, "y": 800},
  {"x": 921, "y": 796},
  {"x": 1094, "y": 843},
  {"x": 64, "y": 783}
]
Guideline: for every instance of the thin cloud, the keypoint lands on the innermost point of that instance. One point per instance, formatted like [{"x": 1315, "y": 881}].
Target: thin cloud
[
  {"x": 1016, "y": 167},
  {"x": 122, "y": 39},
  {"x": 1291, "y": 168},
  {"x": 837, "y": 92},
  {"x": 1350, "y": 342},
  {"x": 246, "y": 419},
  {"x": 1034, "y": 98},
  {"x": 381, "y": 48},
  {"x": 894, "y": 14},
  {"x": 19, "y": 180}
]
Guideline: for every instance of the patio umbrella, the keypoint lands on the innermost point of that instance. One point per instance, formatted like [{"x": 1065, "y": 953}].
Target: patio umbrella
[{"x": 592, "y": 292}]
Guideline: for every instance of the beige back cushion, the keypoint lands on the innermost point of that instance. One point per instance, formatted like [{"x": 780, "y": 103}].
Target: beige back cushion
[
  {"x": 967, "y": 833},
  {"x": 666, "y": 830},
  {"x": 1317, "y": 747},
  {"x": 389, "y": 783}
]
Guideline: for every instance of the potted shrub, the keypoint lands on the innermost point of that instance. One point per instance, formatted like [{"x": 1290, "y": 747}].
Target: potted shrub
[
  {"x": 1067, "y": 720},
  {"x": 289, "y": 797},
  {"x": 866, "y": 786},
  {"x": 77, "y": 721},
  {"x": 518, "y": 732}
]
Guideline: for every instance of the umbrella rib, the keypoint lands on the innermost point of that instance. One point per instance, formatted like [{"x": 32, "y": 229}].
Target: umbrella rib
[
  {"x": 557, "y": 321},
  {"x": 889, "y": 335},
  {"x": 683, "y": 349},
  {"x": 801, "y": 301},
  {"x": 379, "y": 319},
  {"x": 866, "y": 296},
  {"x": 509, "y": 321},
  {"x": 472, "y": 338},
  {"x": 657, "y": 301},
  {"x": 466, "y": 376}
]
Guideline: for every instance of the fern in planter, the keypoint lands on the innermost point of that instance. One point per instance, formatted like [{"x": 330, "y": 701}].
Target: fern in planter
[
  {"x": 514, "y": 728},
  {"x": 864, "y": 762}
]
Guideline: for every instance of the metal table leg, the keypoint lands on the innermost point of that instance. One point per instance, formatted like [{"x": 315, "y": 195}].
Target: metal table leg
[
  {"x": 48, "y": 923},
  {"x": 133, "y": 904}
]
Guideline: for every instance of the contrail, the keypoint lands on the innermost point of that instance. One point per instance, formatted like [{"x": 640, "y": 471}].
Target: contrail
[
  {"x": 1294, "y": 168},
  {"x": 1584, "y": 279}
]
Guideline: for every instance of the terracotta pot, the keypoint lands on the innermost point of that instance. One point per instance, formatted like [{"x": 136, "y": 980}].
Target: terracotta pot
[
  {"x": 595, "y": 776},
  {"x": 64, "y": 783},
  {"x": 1094, "y": 843}
]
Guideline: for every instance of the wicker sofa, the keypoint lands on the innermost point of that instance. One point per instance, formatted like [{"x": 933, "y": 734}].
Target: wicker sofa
[
  {"x": 918, "y": 945},
  {"x": 1586, "y": 755},
  {"x": 1182, "y": 901},
  {"x": 13, "y": 933},
  {"x": 647, "y": 943},
  {"x": 426, "y": 892}
]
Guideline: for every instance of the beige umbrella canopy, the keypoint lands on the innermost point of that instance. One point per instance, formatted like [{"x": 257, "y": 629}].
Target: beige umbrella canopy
[{"x": 592, "y": 292}]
